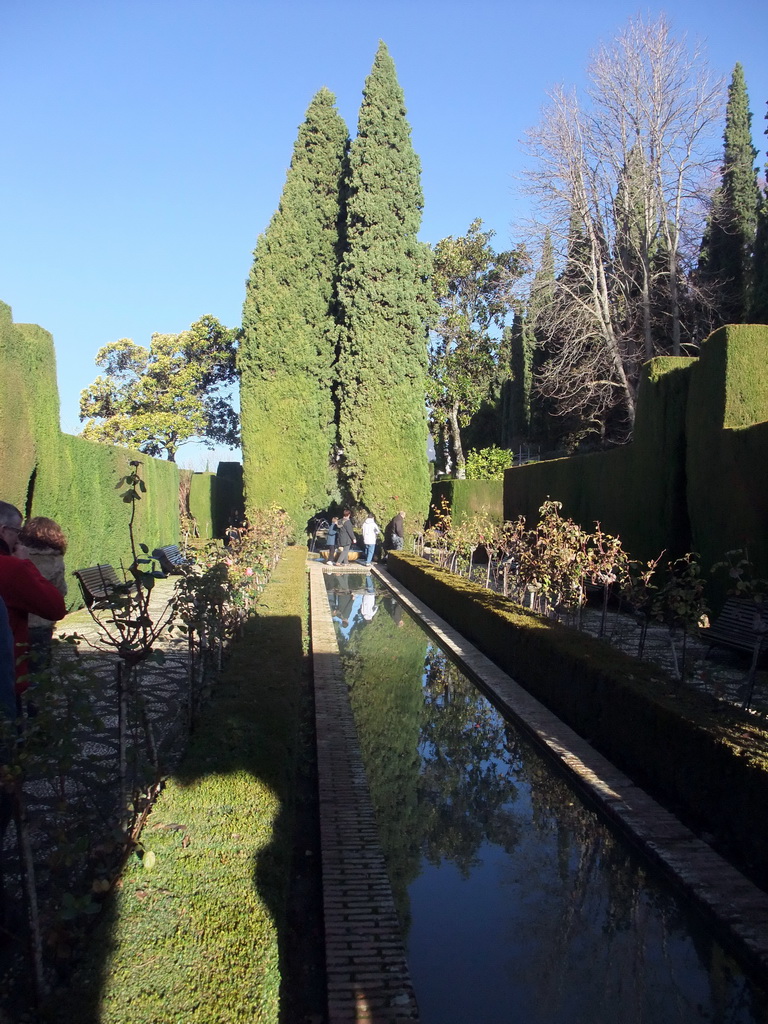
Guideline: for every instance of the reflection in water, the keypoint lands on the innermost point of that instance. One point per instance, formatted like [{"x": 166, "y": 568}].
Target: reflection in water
[{"x": 518, "y": 904}]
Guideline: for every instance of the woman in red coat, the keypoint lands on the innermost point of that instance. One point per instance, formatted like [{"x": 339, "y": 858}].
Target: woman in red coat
[{"x": 24, "y": 590}]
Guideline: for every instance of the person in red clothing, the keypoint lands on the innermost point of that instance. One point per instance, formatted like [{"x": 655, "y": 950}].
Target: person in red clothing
[{"x": 23, "y": 589}]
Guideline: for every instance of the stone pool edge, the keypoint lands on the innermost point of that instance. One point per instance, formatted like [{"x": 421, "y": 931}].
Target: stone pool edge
[
  {"x": 736, "y": 907},
  {"x": 367, "y": 971}
]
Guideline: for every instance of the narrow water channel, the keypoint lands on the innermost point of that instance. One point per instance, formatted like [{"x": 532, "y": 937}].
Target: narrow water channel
[{"x": 518, "y": 904}]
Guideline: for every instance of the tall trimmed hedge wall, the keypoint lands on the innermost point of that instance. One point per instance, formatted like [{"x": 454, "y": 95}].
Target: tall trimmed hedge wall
[
  {"x": 727, "y": 467},
  {"x": 694, "y": 477},
  {"x": 201, "y": 503},
  {"x": 466, "y": 497},
  {"x": 73, "y": 481},
  {"x": 216, "y": 499}
]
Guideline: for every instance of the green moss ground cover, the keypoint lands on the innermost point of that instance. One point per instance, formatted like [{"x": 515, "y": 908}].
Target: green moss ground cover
[{"x": 195, "y": 930}]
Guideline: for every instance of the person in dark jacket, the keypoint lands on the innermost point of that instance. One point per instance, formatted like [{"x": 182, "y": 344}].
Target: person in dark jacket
[
  {"x": 397, "y": 532},
  {"x": 332, "y": 538},
  {"x": 346, "y": 537}
]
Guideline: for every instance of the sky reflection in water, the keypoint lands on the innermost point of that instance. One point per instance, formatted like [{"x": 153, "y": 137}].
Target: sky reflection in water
[{"x": 517, "y": 903}]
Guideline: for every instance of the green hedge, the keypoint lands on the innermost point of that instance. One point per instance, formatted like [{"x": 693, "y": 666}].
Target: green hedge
[
  {"x": 228, "y": 505},
  {"x": 73, "y": 481},
  {"x": 29, "y": 404},
  {"x": 81, "y": 491},
  {"x": 711, "y": 765},
  {"x": 201, "y": 503},
  {"x": 728, "y": 446},
  {"x": 636, "y": 492},
  {"x": 216, "y": 499},
  {"x": 466, "y": 497},
  {"x": 694, "y": 477},
  {"x": 198, "y": 937}
]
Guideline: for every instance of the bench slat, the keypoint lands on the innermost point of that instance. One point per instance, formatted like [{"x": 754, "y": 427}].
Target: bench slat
[
  {"x": 171, "y": 559},
  {"x": 100, "y": 584},
  {"x": 735, "y": 626}
]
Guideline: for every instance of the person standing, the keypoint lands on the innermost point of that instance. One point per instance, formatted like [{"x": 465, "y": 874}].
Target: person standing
[
  {"x": 332, "y": 538},
  {"x": 23, "y": 589},
  {"x": 397, "y": 531},
  {"x": 45, "y": 543},
  {"x": 370, "y": 532},
  {"x": 346, "y": 537}
]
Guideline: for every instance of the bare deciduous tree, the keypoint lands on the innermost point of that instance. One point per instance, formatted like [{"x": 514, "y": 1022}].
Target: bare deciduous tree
[{"x": 625, "y": 175}]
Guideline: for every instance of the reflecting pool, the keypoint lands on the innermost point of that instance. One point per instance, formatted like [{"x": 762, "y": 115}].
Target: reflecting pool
[{"x": 518, "y": 903}]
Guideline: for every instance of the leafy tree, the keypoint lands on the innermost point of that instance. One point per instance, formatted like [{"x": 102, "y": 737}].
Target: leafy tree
[
  {"x": 524, "y": 412},
  {"x": 382, "y": 368},
  {"x": 473, "y": 287},
  {"x": 290, "y": 333},
  {"x": 488, "y": 463},
  {"x": 160, "y": 398},
  {"x": 728, "y": 243}
]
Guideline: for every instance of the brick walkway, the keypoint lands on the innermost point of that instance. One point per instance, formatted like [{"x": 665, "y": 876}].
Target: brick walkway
[{"x": 367, "y": 972}]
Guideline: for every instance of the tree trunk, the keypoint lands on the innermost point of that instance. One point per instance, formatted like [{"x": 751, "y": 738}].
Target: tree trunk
[
  {"x": 674, "y": 301},
  {"x": 460, "y": 463}
]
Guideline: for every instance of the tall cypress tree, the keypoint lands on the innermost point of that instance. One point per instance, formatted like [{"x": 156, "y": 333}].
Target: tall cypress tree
[
  {"x": 759, "y": 305},
  {"x": 290, "y": 329},
  {"x": 727, "y": 248},
  {"x": 383, "y": 292}
]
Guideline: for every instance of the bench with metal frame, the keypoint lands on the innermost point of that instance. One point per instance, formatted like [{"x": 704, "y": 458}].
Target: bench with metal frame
[
  {"x": 101, "y": 586},
  {"x": 742, "y": 624},
  {"x": 171, "y": 559}
]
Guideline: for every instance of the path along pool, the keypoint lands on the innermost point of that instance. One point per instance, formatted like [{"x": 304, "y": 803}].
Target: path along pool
[{"x": 516, "y": 900}]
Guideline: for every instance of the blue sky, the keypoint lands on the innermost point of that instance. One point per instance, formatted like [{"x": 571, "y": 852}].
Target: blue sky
[{"x": 146, "y": 141}]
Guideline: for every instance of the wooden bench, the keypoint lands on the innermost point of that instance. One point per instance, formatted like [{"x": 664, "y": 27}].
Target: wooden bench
[
  {"x": 101, "y": 586},
  {"x": 171, "y": 559},
  {"x": 742, "y": 625}
]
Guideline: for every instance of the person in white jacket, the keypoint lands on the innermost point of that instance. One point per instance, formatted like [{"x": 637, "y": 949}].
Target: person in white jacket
[{"x": 370, "y": 532}]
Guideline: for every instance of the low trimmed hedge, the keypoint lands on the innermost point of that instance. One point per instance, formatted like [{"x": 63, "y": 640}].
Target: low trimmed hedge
[
  {"x": 196, "y": 936},
  {"x": 707, "y": 761}
]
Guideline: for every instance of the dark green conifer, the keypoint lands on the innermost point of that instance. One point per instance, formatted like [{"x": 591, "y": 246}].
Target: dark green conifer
[
  {"x": 759, "y": 305},
  {"x": 290, "y": 331},
  {"x": 727, "y": 247},
  {"x": 384, "y": 298}
]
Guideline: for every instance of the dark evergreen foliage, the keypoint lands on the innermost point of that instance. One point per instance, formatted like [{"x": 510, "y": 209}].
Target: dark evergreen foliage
[
  {"x": 382, "y": 371},
  {"x": 759, "y": 307},
  {"x": 519, "y": 341},
  {"x": 727, "y": 247},
  {"x": 290, "y": 334}
]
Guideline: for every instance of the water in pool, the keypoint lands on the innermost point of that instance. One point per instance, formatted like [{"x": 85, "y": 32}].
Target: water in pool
[{"x": 518, "y": 904}]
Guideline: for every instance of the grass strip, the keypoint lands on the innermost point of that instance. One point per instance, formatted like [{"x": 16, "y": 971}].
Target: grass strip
[{"x": 193, "y": 930}]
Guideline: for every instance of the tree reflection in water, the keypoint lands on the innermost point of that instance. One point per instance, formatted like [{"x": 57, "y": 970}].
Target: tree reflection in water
[{"x": 517, "y": 901}]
